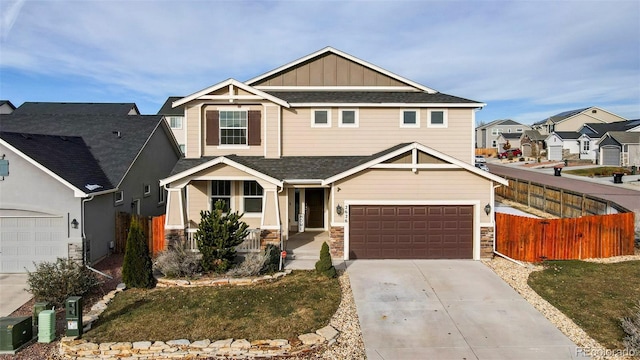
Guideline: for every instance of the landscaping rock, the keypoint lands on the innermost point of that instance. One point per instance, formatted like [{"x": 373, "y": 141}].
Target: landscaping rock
[
  {"x": 201, "y": 343},
  {"x": 121, "y": 287},
  {"x": 140, "y": 345},
  {"x": 180, "y": 342},
  {"x": 221, "y": 343},
  {"x": 241, "y": 344},
  {"x": 311, "y": 339},
  {"x": 122, "y": 346},
  {"x": 328, "y": 332}
]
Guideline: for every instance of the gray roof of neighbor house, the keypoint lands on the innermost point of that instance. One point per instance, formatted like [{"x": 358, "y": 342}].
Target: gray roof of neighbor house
[
  {"x": 568, "y": 135},
  {"x": 167, "y": 110},
  {"x": 625, "y": 137},
  {"x": 561, "y": 116},
  {"x": 69, "y": 157},
  {"x": 601, "y": 128},
  {"x": 63, "y": 108},
  {"x": 534, "y": 135},
  {"x": 504, "y": 122},
  {"x": 2, "y": 102},
  {"x": 292, "y": 167},
  {"x": 113, "y": 140},
  {"x": 511, "y": 136},
  {"x": 369, "y": 97}
]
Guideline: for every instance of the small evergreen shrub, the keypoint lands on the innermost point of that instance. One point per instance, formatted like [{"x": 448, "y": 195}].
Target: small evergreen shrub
[
  {"x": 324, "y": 265},
  {"x": 217, "y": 236},
  {"x": 251, "y": 266},
  {"x": 178, "y": 261},
  {"x": 631, "y": 326},
  {"x": 56, "y": 281},
  {"x": 137, "y": 269},
  {"x": 272, "y": 261}
]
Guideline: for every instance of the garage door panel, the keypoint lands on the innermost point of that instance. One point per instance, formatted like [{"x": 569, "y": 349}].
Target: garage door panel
[
  {"x": 25, "y": 240},
  {"x": 411, "y": 232}
]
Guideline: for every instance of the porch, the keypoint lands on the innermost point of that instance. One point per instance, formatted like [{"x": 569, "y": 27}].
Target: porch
[{"x": 303, "y": 249}]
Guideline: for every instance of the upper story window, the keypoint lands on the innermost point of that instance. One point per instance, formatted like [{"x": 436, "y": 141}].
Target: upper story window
[
  {"x": 409, "y": 118},
  {"x": 161, "y": 194},
  {"x": 233, "y": 127},
  {"x": 252, "y": 197},
  {"x": 494, "y": 131},
  {"x": 146, "y": 189},
  {"x": 175, "y": 122},
  {"x": 437, "y": 118},
  {"x": 348, "y": 118},
  {"x": 118, "y": 197},
  {"x": 321, "y": 118},
  {"x": 518, "y": 129},
  {"x": 181, "y": 148},
  {"x": 221, "y": 190}
]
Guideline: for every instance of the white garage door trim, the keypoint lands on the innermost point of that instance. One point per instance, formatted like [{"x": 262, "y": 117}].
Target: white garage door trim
[
  {"x": 474, "y": 203},
  {"x": 555, "y": 152},
  {"x": 21, "y": 243}
]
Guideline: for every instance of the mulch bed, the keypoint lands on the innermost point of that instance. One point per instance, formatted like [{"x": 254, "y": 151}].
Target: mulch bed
[{"x": 112, "y": 265}]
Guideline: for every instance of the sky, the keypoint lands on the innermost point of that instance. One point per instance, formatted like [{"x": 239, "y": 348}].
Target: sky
[{"x": 527, "y": 60}]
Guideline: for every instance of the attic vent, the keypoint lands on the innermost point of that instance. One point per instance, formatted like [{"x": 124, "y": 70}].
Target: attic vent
[
  {"x": 4, "y": 167},
  {"x": 594, "y": 111},
  {"x": 117, "y": 133}
]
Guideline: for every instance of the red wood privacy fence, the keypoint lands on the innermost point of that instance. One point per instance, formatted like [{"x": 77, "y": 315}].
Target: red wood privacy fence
[
  {"x": 153, "y": 228},
  {"x": 532, "y": 240}
]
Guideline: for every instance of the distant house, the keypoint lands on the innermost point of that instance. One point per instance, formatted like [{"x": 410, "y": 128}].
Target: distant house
[
  {"x": 63, "y": 178},
  {"x": 560, "y": 144},
  {"x": 61, "y": 108},
  {"x": 532, "y": 143},
  {"x": 573, "y": 120},
  {"x": 619, "y": 148},
  {"x": 175, "y": 118},
  {"x": 487, "y": 135},
  {"x": 6, "y": 107},
  {"x": 512, "y": 138}
]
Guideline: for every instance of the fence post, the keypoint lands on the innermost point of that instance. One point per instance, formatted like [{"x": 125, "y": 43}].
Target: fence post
[{"x": 561, "y": 203}]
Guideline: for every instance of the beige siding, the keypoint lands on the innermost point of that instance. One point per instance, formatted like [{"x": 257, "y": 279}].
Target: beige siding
[
  {"x": 269, "y": 208},
  {"x": 192, "y": 131},
  {"x": 404, "y": 185},
  {"x": 222, "y": 170},
  {"x": 198, "y": 199},
  {"x": 174, "y": 212},
  {"x": 379, "y": 129},
  {"x": 424, "y": 158},
  {"x": 271, "y": 140},
  {"x": 330, "y": 70},
  {"x": 575, "y": 123}
]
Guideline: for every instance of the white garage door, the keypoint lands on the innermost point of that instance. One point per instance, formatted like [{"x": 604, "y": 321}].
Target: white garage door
[
  {"x": 555, "y": 152},
  {"x": 25, "y": 240},
  {"x": 610, "y": 156}
]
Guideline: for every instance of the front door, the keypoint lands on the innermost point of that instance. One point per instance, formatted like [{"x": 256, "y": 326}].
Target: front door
[{"x": 314, "y": 199}]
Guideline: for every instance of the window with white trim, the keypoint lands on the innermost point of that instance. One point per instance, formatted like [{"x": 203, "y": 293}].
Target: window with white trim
[
  {"x": 147, "y": 189},
  {"x": 233, "y": 127},
  {"x": 518, "y": 129},
  {"x": 181, "y": 148},
  {"x": 175, "y": 122},
  {"x": 221, "y": 190},
  {"x": 585, "y": 145},
  {"x": 118, "y": 197},
  {"x": 161, "y": 194},
  {"x": 437, "y": 118},
  {"x": 348, "y": 118},
  {"x": 252, "y": 197},
  {"x": 494, "y": 143},
  {"x": 320, "y": 118},
  {"x": 410, "y": 118},
  {"x": 494, "y": 131}
]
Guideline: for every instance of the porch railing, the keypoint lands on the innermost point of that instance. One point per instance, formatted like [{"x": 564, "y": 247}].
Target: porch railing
[{"x": 250, "y": 244}]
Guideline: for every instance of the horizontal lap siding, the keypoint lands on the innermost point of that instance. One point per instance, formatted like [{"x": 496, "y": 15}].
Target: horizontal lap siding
[
  {"x": 378, "y": 129},
  {"x": 192, "y": 132}
]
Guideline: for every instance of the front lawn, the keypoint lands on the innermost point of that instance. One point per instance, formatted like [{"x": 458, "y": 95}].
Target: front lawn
[
  {"x": 299, "y": 303},
  {"x": 598, "y": 171},
  {"x": 595, "y": 296}
]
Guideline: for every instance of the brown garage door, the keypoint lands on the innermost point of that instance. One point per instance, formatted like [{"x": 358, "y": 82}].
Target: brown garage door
[{"x": 410, "y": 232}]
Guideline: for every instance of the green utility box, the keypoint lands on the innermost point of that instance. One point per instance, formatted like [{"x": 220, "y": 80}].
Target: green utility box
[
  {"x": 74, "y": 316},
  {"x": 47, "y": 327},
  {"x": 14, "y": 333},
  {"x": 39, "y": 307}
]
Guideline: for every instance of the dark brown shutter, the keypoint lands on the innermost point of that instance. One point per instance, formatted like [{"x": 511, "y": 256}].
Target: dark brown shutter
[
  {"x": 254, "y": 127},
  {"x": 212, "y": 125}
]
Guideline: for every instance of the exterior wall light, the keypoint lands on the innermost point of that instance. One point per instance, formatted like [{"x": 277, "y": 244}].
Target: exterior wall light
[
  {"x": 487, "y": 209},
  {"x": 74, "y": 223},
  {"x": 339, "y": 210}
]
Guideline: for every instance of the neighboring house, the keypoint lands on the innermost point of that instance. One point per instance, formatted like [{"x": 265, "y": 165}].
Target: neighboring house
[
  {"x": 573, "y": 120},
  {"x": 532, "y": 143},
  {"x": 6, "y": 107},
  {"x": 77, "y": 108},
  {"x": 175, "y": 118},
  {"x": 333, "y": 143},
  {"x": 620, "y": 148},
  {"x": 512, "y": 138},
  {"x": 487, "y": 135},
  {"x": 561, "y": 144},
  {"x": 63, "y": 178}
]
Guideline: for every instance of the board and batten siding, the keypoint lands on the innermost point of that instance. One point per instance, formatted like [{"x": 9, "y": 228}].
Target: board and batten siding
[
  {"x": 271, "y": 141},
  {"x": 404, "y": 185},
  {"x": 379, "y": 129}
]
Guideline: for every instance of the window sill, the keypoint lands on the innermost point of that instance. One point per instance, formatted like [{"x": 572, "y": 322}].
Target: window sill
[{"x": 234, "y": 147}]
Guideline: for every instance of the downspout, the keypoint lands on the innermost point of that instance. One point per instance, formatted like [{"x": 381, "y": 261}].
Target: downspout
[
  {"x": 494, "y": 242},
  {"x": 84, "y": 237}
]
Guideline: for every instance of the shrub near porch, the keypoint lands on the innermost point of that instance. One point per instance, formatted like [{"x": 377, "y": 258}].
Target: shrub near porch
[{"x": 299, "y": 303}]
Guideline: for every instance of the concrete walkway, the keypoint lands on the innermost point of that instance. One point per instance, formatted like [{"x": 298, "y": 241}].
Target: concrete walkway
[
  {"x": 448, "y": 309},
  {"x": 12, "y": 293}
]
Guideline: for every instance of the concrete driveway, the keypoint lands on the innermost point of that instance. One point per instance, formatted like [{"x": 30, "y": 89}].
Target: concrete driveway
[
  {"x": 12, "y": 293},
  {"x": 448, "y": 309}
]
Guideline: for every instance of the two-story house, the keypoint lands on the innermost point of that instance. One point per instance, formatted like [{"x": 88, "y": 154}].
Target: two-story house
[
  {"x": 333, "y": 143},
  {"x": 175, "y": 119},
  {"x": 487, "y": 135},
  {"x": 573, "y": 120}
]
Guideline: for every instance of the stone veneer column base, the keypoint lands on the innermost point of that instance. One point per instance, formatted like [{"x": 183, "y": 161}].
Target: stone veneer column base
[
  {"x": 172, "y": 236},
  {"x": 269, "y": 237},
  {"x": 336, "y": 242},
  {"x": 487, "y": 237}
]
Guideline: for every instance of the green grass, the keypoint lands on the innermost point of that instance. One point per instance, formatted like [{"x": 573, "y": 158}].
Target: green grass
[
  {"x": 298, "y": 303},
  {"x": 595, "y": 296},
  {"x": 598, "y": 171}
]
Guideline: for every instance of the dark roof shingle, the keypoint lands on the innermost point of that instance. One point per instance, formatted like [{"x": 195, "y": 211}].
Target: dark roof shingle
[
  {"x": 373, "y": 97},
  {"x": 60, "y": 108},
  {"x": 167, "y": 110}
]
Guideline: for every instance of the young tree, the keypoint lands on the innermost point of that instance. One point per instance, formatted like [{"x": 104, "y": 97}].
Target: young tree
[
  {"x": 217, "y": 236},
  {"x": 506, "y": 146},
  {"x": 324, "y": 265},
  {"x": 137, "y": 269}
]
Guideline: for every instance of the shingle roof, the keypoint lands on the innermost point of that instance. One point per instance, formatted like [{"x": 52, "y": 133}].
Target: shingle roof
[
  {"x": 568, "y": 135},
  {"x": 625, "y": 137},
  {"x": 114, "y": 140},
  {"x": 534, "y": 135},
  {"x": 167, "y": 110},
  {"x": 374, "y": 97},
  {"x": 60, "y": 108},
  {"x": 67, "y": 156},
  {"x": 292, "y": 167},
  {"x": 601, "y": 128},
  {"x": 561, "y": 116},
  {"x": 3, "y": 102},
  {"x": 511, "y": 135}
]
